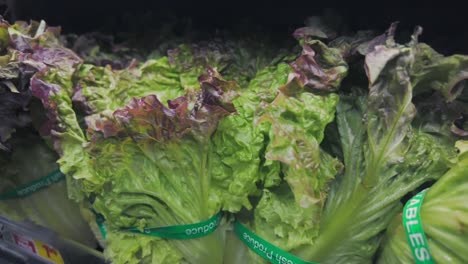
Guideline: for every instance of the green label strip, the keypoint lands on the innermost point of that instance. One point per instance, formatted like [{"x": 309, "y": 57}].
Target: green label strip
[
  {"x": 264, "y": 249},
  {"x": 34, "y": 186},
  {"x": 189, "y": 231},
  {"x": 101, "y": 225},
  {"x": 414, "y": 230}
]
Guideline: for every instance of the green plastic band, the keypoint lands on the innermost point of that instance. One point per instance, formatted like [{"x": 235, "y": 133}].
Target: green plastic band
[
  {"x": 101, "y": 225},
  {"x": 34, "y": 186},
  {"x": 264, "y": 249},
  {"x": 189, "y": 231},
  {"x": 414, "y": 230}
]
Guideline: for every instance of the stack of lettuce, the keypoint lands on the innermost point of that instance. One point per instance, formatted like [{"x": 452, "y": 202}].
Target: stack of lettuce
[{"x": 314, "y": 151}]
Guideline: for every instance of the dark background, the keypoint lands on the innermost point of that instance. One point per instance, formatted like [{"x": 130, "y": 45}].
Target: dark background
[{"x": 445, "y": 28}]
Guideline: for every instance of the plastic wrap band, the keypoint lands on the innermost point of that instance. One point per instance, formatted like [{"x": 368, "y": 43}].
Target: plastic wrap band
[
  {"x": 34, "y": 186},
  {"x": 264, "y": 249},
  {"x": 189, "y": 231},
  {"x": 414, "y": 230}
]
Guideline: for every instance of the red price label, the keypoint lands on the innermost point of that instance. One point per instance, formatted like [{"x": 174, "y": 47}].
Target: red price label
[{"x": 38, "y": 248}]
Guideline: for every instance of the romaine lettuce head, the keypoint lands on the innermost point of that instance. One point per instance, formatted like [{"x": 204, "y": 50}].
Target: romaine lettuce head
[
  {"x": 290, "y": 106},
  {"x": 387, "y": 152},
  {"x": 158, "y": 166},
  {"x": 148, "y": 163},
  {"x": 444, "y": 217}
]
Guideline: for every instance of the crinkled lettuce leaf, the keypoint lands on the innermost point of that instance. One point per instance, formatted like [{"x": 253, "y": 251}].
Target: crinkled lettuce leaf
[
  {"x": 99, "y": 89},
  {"x": 433, "y": 71}
]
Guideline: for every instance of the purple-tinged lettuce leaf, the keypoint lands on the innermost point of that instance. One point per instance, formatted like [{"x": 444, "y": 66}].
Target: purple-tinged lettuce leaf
[
  {"x": 24, "y": 36},
  {"x": 30, "y": 48},
  {"x": 319, "y": 68},
  {"x": 65, "y": 132},
  {"x": 34, "y": 49},
  {"x": 100, "y": 89}
]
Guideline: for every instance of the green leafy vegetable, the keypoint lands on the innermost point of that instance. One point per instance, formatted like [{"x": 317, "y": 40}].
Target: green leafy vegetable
[
  {"x": 385, "y": 157},
  {"x": 444, "y": 215},
  {"x": 291, "y": 116},
  {"x": 312, "y": 152},
  {"x": 24, "y": 156}
]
